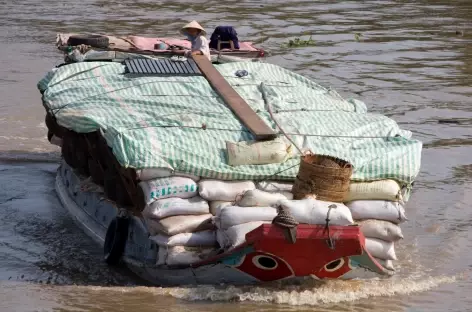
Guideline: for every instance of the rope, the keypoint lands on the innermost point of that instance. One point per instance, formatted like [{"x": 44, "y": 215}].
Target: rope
[
  {"x": 130, "y": 42},
  {"x": 280, "y": 171},
  {"x": 285, "y": 220},
  {"x": 329, "y": 241},
  {"x": 269, "y": 109},
  {"x": 238, "y": 198},
  {"x": 244, "y": 130}
]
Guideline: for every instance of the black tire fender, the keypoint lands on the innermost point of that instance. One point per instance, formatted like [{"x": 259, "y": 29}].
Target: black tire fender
[
  {"x": 50, "y": 135},
  {"x": 95, "y": 41},
  {"x": 115, "y": 240}
]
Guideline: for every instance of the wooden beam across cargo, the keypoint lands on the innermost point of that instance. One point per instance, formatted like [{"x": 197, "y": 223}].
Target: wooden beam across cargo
[{"x": 234, "y": 101}]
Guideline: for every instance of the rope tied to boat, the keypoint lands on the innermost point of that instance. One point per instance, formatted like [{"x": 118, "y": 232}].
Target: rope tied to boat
[
  {"x": 329, "y": 241},
  {"x": 285, "y": 220}
]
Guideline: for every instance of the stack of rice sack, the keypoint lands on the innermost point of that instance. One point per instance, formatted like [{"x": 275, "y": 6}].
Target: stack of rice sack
[
  {"x": 242, "y": 206},
  {"x": 222, "y": 197},
  {"x": 238, "y": 208},
  {"x": 378, "y": 208},
  {"x": 178, "y": 220},
  {"x": 190, "y": 219}
]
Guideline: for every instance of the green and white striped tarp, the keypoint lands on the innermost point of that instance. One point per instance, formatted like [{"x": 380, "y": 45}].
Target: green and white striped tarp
[{"x": 157, "y": 121}]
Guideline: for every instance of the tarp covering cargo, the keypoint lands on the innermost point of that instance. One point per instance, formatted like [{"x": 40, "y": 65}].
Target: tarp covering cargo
[{"x": 152, "y": 121}]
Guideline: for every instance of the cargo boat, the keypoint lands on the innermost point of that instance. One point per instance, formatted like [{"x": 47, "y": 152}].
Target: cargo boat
[{"x": 114, "y": 120}]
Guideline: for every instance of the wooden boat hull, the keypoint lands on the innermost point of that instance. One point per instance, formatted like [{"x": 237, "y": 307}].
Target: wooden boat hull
[{"x": 265, "y": 257}]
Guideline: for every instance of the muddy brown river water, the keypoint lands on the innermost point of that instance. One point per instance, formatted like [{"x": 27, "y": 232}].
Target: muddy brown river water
[{"x": 410, "y": 60}]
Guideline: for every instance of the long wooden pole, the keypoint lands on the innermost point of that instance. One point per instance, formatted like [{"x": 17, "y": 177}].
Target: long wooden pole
[{"x": 234, "y": 101}]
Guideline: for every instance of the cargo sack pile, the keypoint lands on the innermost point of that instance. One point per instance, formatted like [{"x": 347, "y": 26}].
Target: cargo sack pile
[
  {"x": 192, "y": 218},
  {"x": 178, "y": 220},
  {"x": 203, "y": 179},
  {"x": 379, "y": 209}
]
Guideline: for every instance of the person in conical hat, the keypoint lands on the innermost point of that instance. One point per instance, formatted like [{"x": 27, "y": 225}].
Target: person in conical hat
[{"x": 195, "y": 33}]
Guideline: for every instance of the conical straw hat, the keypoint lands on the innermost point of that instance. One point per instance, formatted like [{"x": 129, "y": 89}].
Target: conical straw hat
[{"x": 192, "y": 24}]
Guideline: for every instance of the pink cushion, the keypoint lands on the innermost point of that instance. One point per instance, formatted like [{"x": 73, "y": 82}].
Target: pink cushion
[{"x": 145, "y": 43}]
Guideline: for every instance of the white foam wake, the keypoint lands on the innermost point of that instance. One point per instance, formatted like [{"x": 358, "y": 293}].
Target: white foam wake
[
  {"x": 330, "y": 292},
  {"x": 316, "y": 293}
]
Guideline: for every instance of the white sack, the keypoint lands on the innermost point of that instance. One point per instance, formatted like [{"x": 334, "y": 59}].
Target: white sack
[
  {"x": 381, "y": 229},
  {"x": 236, "y": 235},
  {"x": 234, "y": 215},
  {"x": 217, "y": 205},
  {"x": 381, "y": 190},
  {"x": 313, "y": 211},
  {"x": 179, "y": 224},
  {"x": 380, "y": 249},
  {"x": 156, "y": 173},
  {"x": 388, "y": 264},
  {"x": 174, "y": 206},
  {"x": 378, "y": 209},
  {"x": 224, "y": 190},
  {"x": 274, "y": 186},
  {"x": 287, "y": 195},
  {"x": 168, "y": 187},
  {"x": 181, "y": 255},
  {"x": 258, "y": 198},
  {"x": 258, "y": 153},
  {"x": 197, "y": 239}
]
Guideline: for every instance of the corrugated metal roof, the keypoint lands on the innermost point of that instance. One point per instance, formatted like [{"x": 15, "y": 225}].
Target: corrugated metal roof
[{"x": 145, "y": 66}]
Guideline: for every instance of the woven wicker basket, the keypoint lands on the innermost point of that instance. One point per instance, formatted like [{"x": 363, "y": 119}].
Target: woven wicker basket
[{"x": 326, "y": 177}]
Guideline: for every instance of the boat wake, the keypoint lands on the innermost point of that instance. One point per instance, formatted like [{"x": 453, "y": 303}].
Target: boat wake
[
  {"x": 333, "y": 295},
  {"x": 309, "y": 294}
]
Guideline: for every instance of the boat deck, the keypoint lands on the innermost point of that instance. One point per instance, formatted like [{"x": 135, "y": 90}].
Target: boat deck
[{"x": 134, "y": 43}]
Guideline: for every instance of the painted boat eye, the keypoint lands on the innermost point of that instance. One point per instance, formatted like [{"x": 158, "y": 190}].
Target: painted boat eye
[
  {"x": 334, "y": 265},
  {"x": 264, "y": 262}
]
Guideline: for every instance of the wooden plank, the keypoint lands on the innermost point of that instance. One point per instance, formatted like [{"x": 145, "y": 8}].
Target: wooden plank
[{"x": 234, "y": 101}]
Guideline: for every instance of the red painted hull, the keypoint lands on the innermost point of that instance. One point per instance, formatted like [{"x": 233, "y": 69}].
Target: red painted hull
[{"x": 318, "y": 252}]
